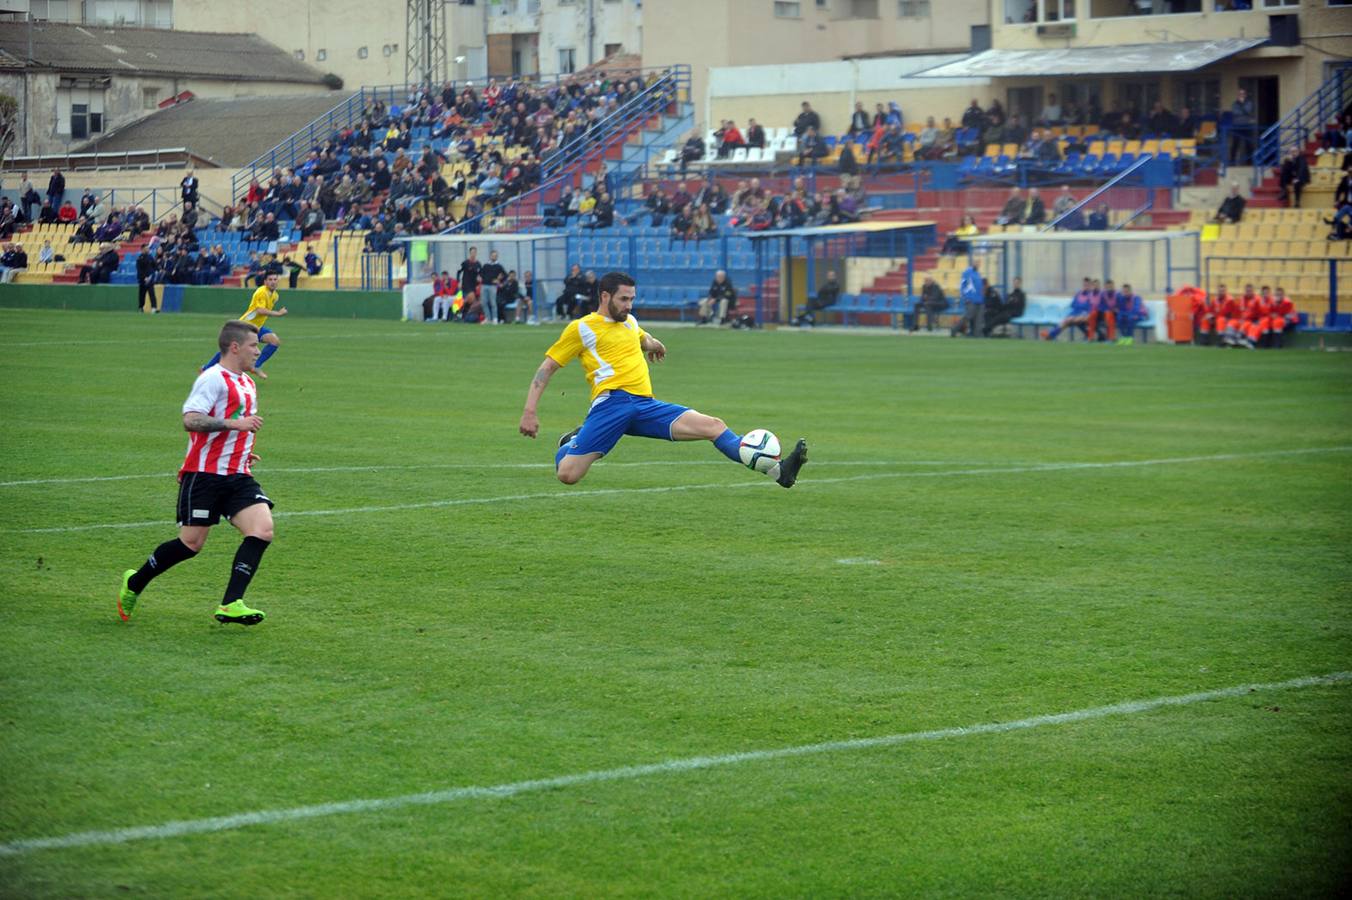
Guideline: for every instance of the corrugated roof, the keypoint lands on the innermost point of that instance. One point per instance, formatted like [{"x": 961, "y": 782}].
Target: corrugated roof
[
  {"x": 151, "y": 51},
  {"x": 1178, "y": 56}
]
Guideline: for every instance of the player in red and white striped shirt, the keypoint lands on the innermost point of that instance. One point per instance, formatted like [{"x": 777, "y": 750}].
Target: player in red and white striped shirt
[{"x": 221, "y": 413}]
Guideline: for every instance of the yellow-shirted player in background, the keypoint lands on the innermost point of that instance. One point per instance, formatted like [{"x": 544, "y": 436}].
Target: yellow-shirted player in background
[
  {"x": 262, "y": 306},
  {"x": 613, "y": 348}
]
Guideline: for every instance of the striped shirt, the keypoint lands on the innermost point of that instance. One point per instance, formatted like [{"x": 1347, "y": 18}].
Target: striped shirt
[{"x": 221, "y": 394}]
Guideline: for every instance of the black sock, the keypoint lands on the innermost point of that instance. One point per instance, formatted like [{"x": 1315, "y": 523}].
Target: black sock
[
  {"x": 247, "y": 557},
  {"x": 165, "y": 557}
]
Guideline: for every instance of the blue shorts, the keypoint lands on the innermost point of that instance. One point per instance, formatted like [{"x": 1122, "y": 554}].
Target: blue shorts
[
  {"x": 264, "y": 330},
  {"x": 614, "y": 414}
]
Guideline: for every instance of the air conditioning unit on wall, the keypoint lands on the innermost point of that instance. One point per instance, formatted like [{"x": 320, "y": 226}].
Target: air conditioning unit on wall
[{"x": 1057, "y": 30}]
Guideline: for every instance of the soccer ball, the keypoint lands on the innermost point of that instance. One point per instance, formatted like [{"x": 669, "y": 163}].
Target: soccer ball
[{"x": 759, "y": 450}]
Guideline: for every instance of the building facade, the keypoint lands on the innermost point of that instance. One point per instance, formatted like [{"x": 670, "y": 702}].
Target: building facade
[{"x": 711, "y": 34}]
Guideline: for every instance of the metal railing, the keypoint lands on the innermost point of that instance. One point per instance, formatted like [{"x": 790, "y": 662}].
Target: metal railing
[
  {"x": 571, "y": 160},
  {"x": 161, "y": 158},
  {"x": 1115, "y": 181},
  {"x": 157, "y": 201},
  {"x": 1305, "y": 121},
  {"x": 351, "y": 110}
]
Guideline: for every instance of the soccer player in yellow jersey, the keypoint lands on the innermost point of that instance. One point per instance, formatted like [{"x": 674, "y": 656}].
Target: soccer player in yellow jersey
[
  {"x": 261, "y": 308},
  {"x": 613, "y": 348}
]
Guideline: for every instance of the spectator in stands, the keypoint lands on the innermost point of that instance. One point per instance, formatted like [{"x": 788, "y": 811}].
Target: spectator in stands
[
  {"x": 377, "y": 239},
  {"x": 1051, "y": 112},
  {"x": 28, "y": 197},
  {"x": 972, "y": 292},
  {"x": 720, "y": 300},
  {"x": 755, "y": 135},
  {"x": 1341, "y": 223},
  {"x": 111, "y": 229},
  {"x": 1232, "y": 207},
  {"x": 892, "y": 146},
  {"x": 974, "y": 117},
  {"x": 1034, "y": 212},
  {"x": 84, "y": 231},
  {"x": 87, "y": 202},
  {"x": 932, "y": 304},
  {"x": 807, "y": 120},
  {"x": 101, "y": 268},
  {"x": 189, "y": 187},
  {"x": 66, "y": 213},
  {"x": 314, "y": 263},
  {"x": 1065, "y": 202},
  {"x": 13, "y": 260},
  {"x": 860, "y": 121},
  {"x": 8, "y": 219},
  {"x": 792, "y": 212},
  {"x": 1185, "y": 125},
  {"x": 692, "y": 151},
  {"x": 1015, "y": 132},
  {"x": 730, "y": 138},
  {"x": 603, "y": 213},
  {"x": 683, "y": 196},
  {"x": 928, "y": 141},
  {"x": 56, "y": 189},
  {"x": 1295, "y": 174},
  {"x": 713, "y": 196},
  {"x": 683, "y": 224},
  {"x": 702, "y": 223},
  {"x": 1241, "y": 129},
  {"x": 811, "y": 147},
  {"x": 1012, "y": 212},
  {"x": 838, "y": 209},
  {"x": 827, "y": 296},
  {"x": 959, "y": 239}
]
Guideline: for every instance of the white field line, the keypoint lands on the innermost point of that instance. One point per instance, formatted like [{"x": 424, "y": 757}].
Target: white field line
[
  {"x": 207, "y": 341},
  {"x": 423, "y": 466},
  {"x": 721, "y": 485},
  {"x": 186, "y": 827}
]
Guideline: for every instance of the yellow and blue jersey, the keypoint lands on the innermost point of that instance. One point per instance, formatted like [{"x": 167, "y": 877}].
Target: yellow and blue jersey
[
  {"x": 263, "y": 298},
  {"x": 611, "y": 354}
]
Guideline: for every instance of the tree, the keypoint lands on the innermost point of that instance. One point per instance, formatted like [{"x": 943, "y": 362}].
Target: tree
[{"x": 9, "y": 124}]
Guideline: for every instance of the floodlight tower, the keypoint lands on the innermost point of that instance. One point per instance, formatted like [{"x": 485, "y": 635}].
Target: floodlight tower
[{"x": 425, "y": 39}]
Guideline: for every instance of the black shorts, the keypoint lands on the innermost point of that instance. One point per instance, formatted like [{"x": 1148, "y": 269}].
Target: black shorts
[{"x": 204, "y": 498}]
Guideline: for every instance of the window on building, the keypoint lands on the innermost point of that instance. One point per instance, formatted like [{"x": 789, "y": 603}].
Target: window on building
[
  {"x": 1201, "y": 96},
  {"x": 299, "y": 54},
  {"x": 1278, "y": 4},
  {"x": 1136, "y": 97},
  {"x": 1081, "y": 94},
  {"x": 79, "y": 111},
  {"x": 862, "y": 9},
  {"x": 788, "y": 9},
  {"x": 1107, "y": 9},
  {"x": 363, "y": 52},
  {"x": 50, "y": 10},
  {"x": 612, "y": 49},
  {"x": 150, "y": 97},
  {"x": 913, "y": 9},
  {"x": 823, "y": 4},
  {"x": 567, "y": 60},
  {"x": 1017, "y": 11},
  {"x": 158, "y": 13},
  {"x": 321, "y": 54},
  {"x": 113, "y": 12}
]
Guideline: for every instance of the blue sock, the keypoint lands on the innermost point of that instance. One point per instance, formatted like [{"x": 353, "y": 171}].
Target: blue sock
[
  {"x": 1056, "y": 330},
  {"x": 268, "y": 350},
  {"x": 215, "y": 359},
  {"x": 728, "y": 443}
]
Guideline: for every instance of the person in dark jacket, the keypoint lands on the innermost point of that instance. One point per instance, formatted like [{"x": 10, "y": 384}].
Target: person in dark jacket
[
  {"x": 1295, "y": 174},
  {"x": 56, "y": 189},
  {"x": 827, "y": 295},
  {"x": 146, "y": 264},
  {"x": 808, "y": 118},
  {"x": 576, "y": 293},
  {"x": 932, "y": 303},
  {"x": 720, "y": 301}
]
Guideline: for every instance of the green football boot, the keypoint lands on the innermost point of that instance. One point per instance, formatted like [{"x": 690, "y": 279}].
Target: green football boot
[
  {"x": 126, "y": 597},
  {"x": 236, "y": 612}
]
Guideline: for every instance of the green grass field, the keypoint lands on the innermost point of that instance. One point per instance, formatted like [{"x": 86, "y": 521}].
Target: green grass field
[{"x": 987, "y": 532}]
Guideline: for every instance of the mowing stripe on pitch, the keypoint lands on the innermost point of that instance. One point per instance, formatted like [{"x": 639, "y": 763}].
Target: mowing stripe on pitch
[
  {"x": 310, "y": 470},
  {"x": 564, "y": 494},
  {"x": 626, "y": 773}
]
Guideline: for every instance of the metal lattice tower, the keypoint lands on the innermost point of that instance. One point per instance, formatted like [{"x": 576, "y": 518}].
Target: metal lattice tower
[{"x": 425, "y": 61}]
